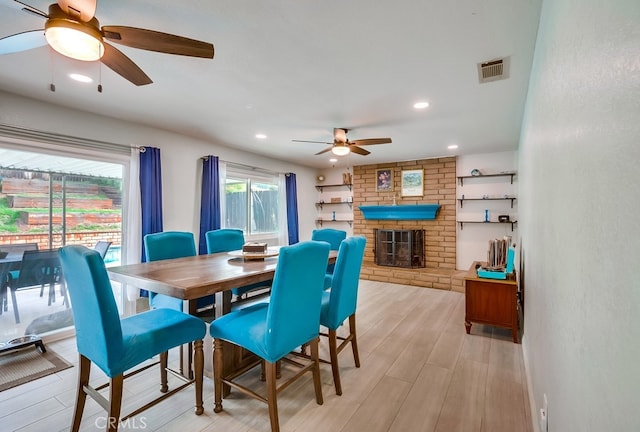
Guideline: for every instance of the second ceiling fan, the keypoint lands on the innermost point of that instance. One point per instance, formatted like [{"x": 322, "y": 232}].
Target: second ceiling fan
[{"x": 341, "y": 145}]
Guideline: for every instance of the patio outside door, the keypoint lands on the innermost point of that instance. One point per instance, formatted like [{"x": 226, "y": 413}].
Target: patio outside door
[{"x": 47, "y": 210}]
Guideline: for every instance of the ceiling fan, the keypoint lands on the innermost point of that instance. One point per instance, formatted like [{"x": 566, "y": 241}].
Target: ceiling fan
[
  {"x": 72, "y": 30},
  {"x": 341, "y": 145}
]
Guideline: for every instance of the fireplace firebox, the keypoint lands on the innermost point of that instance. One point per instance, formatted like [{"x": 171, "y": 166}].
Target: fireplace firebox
[{"x": 399, "y": 248}]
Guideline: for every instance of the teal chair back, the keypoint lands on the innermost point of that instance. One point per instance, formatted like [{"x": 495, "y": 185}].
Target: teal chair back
[
  {"x": 332, "y": 236},
  {"x": 95, "y": 313},
  {"x": 343, "y": 296},
  {"x": 169, "y": 245},
  {"x": 224, "y": 240},
  {"x": 294, "y": 307}
]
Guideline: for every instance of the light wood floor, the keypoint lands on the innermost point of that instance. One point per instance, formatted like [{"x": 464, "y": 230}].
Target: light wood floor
[{"x": 420, "y": 372}]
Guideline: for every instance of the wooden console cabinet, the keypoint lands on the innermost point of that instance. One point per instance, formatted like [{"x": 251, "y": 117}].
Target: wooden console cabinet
[{"x": 491, "y": 301}]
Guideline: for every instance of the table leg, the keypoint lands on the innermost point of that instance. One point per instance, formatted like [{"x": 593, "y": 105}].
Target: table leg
[{"x": 467, "y": 325}]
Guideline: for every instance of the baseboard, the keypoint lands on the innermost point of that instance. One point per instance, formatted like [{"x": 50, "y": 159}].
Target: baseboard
[{"x": 532, "y": 402}]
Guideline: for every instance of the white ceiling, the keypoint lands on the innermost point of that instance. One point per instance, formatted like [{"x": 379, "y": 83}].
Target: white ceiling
[{"x": 295, "y": 69}]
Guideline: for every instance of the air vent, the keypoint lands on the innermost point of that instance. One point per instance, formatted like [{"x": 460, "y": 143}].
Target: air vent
[{"x": 493, "y": 70}]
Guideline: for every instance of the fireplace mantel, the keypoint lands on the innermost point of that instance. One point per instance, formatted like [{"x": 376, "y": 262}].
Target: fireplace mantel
[{"x": 400, "y": 212}]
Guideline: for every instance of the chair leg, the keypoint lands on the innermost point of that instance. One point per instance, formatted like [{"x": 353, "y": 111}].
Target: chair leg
[
  {"x": 315, "y": 355},
  {"x": 354, "y": 339},
  {"x": 81, "y": 397},
  {"x": 164, "y": 387},
  {"x": 272, "y": 392},
  {"x": 16, "y": 315},
  {"x": 333, "y": 354},
  {"x": 217, "y": 375},
  {"x": 115, "y": 403},
  {"x": 198, "y": 365}
]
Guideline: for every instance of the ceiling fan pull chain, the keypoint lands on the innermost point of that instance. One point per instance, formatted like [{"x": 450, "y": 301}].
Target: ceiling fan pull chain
[
  {"x": 99, "y": 77},
  {"x": 52, "y": 60}
]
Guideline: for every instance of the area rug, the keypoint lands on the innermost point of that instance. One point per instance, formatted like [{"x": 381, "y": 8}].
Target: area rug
[{"x": 21, "y": 366}]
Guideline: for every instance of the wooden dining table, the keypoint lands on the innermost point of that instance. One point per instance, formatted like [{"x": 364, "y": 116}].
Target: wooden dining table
[{"x": 191, "y": 278}]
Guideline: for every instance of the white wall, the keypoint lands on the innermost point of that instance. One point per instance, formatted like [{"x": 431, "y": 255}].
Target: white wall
[
  {"x": 181, "y": 166},
  {"x": 578, "y": 171},
  {"x": 472, "y": 239}
]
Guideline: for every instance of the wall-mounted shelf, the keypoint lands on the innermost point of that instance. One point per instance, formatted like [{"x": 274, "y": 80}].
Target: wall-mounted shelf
[
  {"x": 321, "y": 187},
  {"x": 510, "y": 174},
  {"x": 321, "y": 204},
  {"x": 513, "y": 223},
  {"x": 322, "y": 221},
  {"x": 461, "y": 200}
]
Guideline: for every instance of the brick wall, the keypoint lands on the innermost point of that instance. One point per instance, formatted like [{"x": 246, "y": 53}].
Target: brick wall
[
  {"x": 440, "y": 234},
  {"x": 87, "y": 238}
]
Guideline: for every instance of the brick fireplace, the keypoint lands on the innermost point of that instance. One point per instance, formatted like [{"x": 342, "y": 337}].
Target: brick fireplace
[{"x": 439, "y": 234}]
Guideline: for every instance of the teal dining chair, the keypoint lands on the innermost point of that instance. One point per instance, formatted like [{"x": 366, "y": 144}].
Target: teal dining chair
[
  {"x": 227, "y": 240},
  {"x": 339, "y": 303},
  {"x": 116, "y": 345},
  {"x": 334, "y": 237},
  {"x": 273, "y": 329},
  {"x": 169, "y": 245}
]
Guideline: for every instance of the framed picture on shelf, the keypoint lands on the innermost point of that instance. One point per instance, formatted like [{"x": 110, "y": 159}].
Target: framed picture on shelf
[
  {"x": 412, "y": 183},
  {"x": 384, "y": 180}
]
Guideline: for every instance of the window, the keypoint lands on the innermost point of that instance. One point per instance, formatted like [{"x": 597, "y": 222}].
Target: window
[{"x": 251, "y": 202}]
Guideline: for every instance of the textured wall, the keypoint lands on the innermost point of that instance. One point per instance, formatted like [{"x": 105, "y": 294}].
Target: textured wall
[{"x": 578, "y": 173}]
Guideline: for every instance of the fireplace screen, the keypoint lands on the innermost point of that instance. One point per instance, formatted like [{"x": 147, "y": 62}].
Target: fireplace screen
[{"x": 400, "y": 248}]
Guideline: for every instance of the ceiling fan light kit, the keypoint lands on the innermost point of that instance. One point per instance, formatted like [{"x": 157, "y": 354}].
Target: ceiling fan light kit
[
  {"x": 340, "y": 150},
  {"x": 76, "y": 39}
]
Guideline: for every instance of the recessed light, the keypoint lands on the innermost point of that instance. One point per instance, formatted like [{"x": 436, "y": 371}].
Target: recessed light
[
  {"x": 80, "y": 78},
  {"x": 420, "y": 105},
  {"x": 333, "y": 160},
  {"x": 453, "y": 146},
  {"x": 261, "y": 136}
]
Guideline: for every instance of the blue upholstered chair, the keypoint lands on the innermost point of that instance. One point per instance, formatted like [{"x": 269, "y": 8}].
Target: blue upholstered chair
[
  {"x": 226, "y": 240},
  {"x": 117, "y": 345},
  {"x": 339, "y": 303},
  {"x": 272, "y": 329},
  {"x": 334, "y": 237},
  {"x": 169, "y": 245}
]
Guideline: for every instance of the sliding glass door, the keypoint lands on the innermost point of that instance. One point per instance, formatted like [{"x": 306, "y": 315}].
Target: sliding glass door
[{"x": 47, "y": 202}]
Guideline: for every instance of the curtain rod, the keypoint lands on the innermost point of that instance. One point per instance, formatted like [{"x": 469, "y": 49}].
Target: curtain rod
[
  {"x": 16, "y": 132},
  {"x": 252, "y": 168}
]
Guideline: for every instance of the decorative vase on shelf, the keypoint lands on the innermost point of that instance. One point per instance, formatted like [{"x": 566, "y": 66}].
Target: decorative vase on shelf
[
  {"x": 486, "y": 215},
  {"x": 333, "y": 216}
]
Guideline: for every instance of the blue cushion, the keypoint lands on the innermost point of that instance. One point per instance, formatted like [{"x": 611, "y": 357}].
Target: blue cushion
[{"x": 150, "y": 333}]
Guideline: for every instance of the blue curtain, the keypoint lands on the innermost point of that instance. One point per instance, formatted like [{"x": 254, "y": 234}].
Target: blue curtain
[
  {"x": 209, "y": 200},
  {"x": 150, "y": 192},
  {"x": 292, "y": 208}
]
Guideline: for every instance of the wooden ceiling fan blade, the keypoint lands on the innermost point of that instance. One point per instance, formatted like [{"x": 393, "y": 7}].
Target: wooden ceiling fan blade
[
  {"x": 324, "y": 151},
  {"x": 316, "y": 142},
  {"x": 124, "y": 66},
  {"x": 22, "y": 41},
  {"x": 83, "y": 10},
  {"x": 358, "y": 150},
  {"x": 151, "y": 40},
  {"x": 371, "y": 141},
  {"x": 15, "y": 4}
]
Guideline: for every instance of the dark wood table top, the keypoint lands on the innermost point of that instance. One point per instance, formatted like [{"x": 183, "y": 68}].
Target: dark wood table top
[{"x": 198, "y": 276}]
